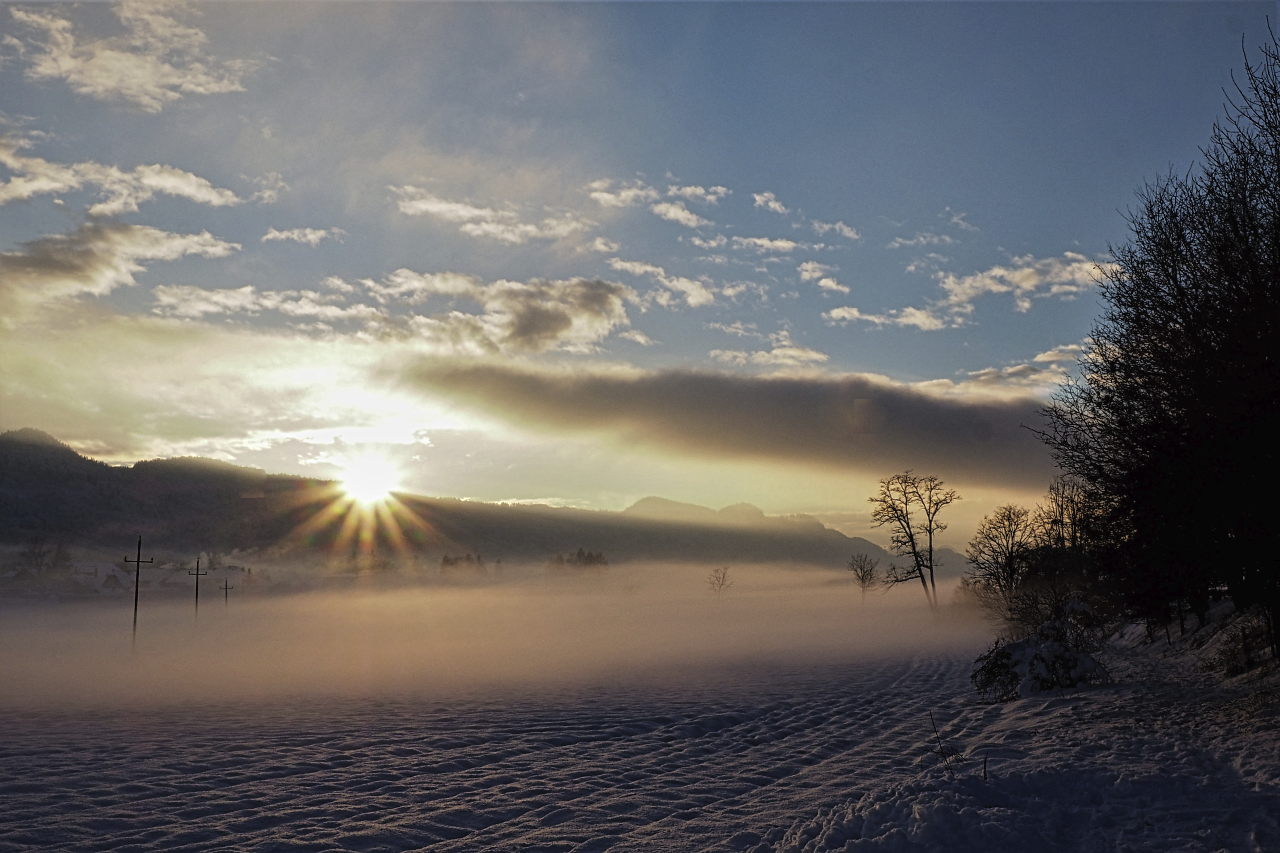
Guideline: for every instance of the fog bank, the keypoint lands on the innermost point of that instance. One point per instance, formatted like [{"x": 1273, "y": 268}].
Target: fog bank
[{"x": 630, "y": 625}]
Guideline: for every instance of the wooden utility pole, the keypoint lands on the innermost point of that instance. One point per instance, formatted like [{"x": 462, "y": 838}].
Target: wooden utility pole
[
  {"x": 226, "y": 591},
  {"x": 198, "y": 574},
  {"x": 137, "y": 578}
]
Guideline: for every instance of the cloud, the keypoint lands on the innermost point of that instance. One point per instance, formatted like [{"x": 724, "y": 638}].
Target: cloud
[
  {"x": 308, "y": 236},
  {"x": 706, "y": 195},
  {"x": 848, "y": 314},
  {"x": 783, "y": 353},
  {"x": 1026, "y": 278},
  {"x": 194, "y": 302},
  {"x": 628, "y": 195},
  {"x": 413, "y": 287},
  {"x": 715, "y": 242},
  {"x": 769, "y": 202},
  {"x": 1066, "y": 353},
  {"x": 154, "y": 63},
  {"x": 926, "y": 238},
  {"x": 502, "y": 225},
  {"x": 674, "y": 211},
  {"x": 737, "y": 328},
  {"x": 94, "y": 260},
  {"x": 765, "y": 244},
  {"x": 537, "y": 316},
  {"x": 514, "y": 317},
  {"x": 271, "y": 185},
  {"x": 838, "y": 227},
  {"x": 811, "y": 270},
  {"x": 958, "y": 220},
  {"x": 123, "y": 191},
  {"x": 922, "y": 319},
  {"x": 638, "y": 337},
  {"x": 855, "y": 422},
  {"x": 695, "y": 293},
  {"x": 603, "y": 245}
]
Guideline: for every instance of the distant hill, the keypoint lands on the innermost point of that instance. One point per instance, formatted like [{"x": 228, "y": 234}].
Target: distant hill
[{"x": 193, "y": 504}]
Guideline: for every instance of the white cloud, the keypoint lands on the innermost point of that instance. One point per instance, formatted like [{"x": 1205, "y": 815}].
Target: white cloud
[
  {"x": 706, "y": 195},
  {"x": 628, "y": 195},
  {"x": 335, "y": 283},
  {"x": 154, "y": 63},
  {"x": 1026, "y": 278},
  {"x": 194, "y": 302},
  {"x": 502, "y": 225},
  {"x": 737, "y": 328},
  {"x": 714, "y": 243},
  {"x": 638, "y": 337},
  {"x": 769, "y": 202},
  {"x": 270, "y": 186},
  {"x": 1066, "y": 353},
  {"x": 308, "y": 236},
  {"x": 925, "y": 238},
  {"x": 413, "y": 287},
  {"x": 957, "y": 219},
  {"x": 810, "y": 270},
  {"x": 922, "y": 319},
  {"x": 838, "y": 227},
  {"x": 94, "y": 260},
  {"x": 929, "y": 261},
  {"x": 123, "y": 191},
  {"x": 765, "y": 244},
  {"x": 783, "y": 353},
  {"x": 695, "y": 293},
  {"x": 833, "y": 285},
  {"x": 604, "y": 245},
  {"x": 848, "y": 314},
  {"x": 674, "y": 211}
]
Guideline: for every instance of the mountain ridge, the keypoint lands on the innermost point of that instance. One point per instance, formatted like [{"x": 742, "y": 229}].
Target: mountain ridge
[{"x": 191, "y": 503}]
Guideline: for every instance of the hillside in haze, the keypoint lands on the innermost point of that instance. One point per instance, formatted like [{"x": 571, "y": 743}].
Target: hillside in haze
[{"x": 189, "y": 505}]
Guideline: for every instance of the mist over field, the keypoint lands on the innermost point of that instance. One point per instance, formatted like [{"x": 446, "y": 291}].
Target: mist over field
[{"x": 655, "y": 623}]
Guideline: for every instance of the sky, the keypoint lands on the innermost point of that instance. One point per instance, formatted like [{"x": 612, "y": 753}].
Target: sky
[{"x": 581, "y": 253}]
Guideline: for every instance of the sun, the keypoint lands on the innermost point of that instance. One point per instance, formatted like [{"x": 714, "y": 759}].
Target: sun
[{"x": 370, "y": 479}]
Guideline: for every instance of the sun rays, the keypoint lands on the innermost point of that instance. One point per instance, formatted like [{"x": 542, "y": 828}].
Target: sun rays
[{"x": 359, "y": 520}]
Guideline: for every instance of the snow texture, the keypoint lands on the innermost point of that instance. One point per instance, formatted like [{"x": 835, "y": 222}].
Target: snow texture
[{"x": 819, "y": 758}]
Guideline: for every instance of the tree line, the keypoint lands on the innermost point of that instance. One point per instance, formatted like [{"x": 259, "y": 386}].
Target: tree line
[{"x": 1165, "y": 438}]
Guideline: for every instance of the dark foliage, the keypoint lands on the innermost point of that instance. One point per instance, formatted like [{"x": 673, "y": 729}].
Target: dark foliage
[{"x": 1171, "y": 424}]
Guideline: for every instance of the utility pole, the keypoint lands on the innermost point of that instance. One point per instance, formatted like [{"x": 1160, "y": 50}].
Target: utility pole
[
  {"x": 137, "y": 577},
  {"x": 226, "y": 590},
  {"x": 198, "y": 574}
]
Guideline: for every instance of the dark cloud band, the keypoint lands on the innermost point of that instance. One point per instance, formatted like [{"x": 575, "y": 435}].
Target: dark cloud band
[{"x": 849, "y": 422}]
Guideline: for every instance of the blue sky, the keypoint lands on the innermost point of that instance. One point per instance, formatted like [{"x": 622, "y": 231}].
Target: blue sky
[{"x": 581, "y": 252}]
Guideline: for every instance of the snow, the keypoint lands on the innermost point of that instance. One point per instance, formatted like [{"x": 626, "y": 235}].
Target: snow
[{"x": 794, "y": 753}]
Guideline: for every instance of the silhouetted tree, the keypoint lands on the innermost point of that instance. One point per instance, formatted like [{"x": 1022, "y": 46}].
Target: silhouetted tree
[
  {"x": 864, "y": 573},
  {"x": 1170, "y": 423},
  {"x": 719, "y": 581},
  {"x": 999, "y": 559},
  {"x": 910, "y": 506}
]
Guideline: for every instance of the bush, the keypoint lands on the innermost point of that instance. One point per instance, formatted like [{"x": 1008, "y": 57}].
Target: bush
[{"x": 1052, "y": 658}]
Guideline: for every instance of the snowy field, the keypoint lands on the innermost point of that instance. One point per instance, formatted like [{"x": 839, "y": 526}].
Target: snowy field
[{"x": 645, "y": 714}]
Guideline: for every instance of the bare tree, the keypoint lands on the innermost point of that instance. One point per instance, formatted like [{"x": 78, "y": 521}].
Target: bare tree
[
  {"x": 910, "y": 506},
  {"x": 719, "y": 580},
  {"x": 864, "y": 573},
  {"x": 1000, "y": 558}
]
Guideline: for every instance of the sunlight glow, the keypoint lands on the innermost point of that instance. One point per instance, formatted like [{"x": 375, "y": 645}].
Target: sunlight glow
[{"x": 370, "y": 479}]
